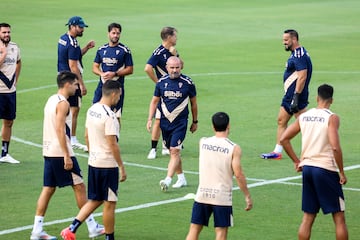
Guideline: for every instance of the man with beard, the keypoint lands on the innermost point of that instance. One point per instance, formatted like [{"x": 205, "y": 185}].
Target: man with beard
[
  {"x": 174, "y": 92},
  {"x": 297, "y": 77},
  {"x": 70, "y": 59},
  {"x": 113, "y": 61},
  {"x": 10, "y": 66}
]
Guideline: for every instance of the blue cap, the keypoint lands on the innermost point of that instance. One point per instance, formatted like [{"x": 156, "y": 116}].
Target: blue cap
[{"x": 76, "y": 21}]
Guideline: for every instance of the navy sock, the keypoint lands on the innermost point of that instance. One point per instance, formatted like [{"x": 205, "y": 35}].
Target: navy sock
[
  {"x": 5, "y": 148},
  {"x": 154, "y": 144},
  {"x": 109, "y": 236},
  {"x": 75, "y": 225}
]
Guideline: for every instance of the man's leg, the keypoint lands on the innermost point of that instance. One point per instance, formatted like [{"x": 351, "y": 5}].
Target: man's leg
[
  {"x": 75, "y": 113},
  {"x": 81, "y": 200},
  {"x": 282, "y": 121},
  {"x": 6, "y": 136},
  {"x": 340, "y": 226},
  {"x": 194, "y": 231},
  {"x": 41, "y": 207},
  {"x": 221, "y": 233},
  {"x": 155, "y": 136},
  {"x": 109, "y": 217},
  {"x": 304, "y": 232}
]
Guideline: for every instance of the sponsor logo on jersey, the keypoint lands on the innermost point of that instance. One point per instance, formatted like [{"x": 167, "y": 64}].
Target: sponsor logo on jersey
[
  {"x": 215, "y": 148},
  {"x": 109, "y": 61},
  {"x": 173, "y": 94}
]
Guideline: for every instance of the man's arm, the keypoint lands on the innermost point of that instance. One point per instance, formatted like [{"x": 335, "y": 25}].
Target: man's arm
[
  {"x": 301, "y": 80},
  {"x": 150, "y": 72},
  {"x": 334, "y": 123},
  {"x": 88, "y": 46},
  {"x": 194, "y": 113},
  {"x": 62, "y": 110},
  {"x": 115, "y": 150},
  {"x": 3, "y": 52},
  {"x": 74, "y": 68},
  {"x": 240, "y": 177},
  {"x": 285, "y": 138},
  {"x": 17, "y": 71},
  {"x": 124, "y": 71},
  {"x": 152, "y": 108}
]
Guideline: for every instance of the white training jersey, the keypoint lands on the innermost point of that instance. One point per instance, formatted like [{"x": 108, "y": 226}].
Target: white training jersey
[
  {"x": 215, "y": 171},
  {"x": 51, "y": 145},
  {"x": 101, "y": 121},
  {"x": 8, "y": 68},
  {"x": 316, "y": 149}
]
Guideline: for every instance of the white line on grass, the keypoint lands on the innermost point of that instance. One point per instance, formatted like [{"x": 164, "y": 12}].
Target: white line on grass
[
  {"x": 153, "y": 204},
  {"x": 194, "y": 74}
]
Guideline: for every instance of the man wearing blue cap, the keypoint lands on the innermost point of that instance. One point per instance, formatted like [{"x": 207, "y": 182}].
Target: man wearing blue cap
[{"x": 70, "y": 59}]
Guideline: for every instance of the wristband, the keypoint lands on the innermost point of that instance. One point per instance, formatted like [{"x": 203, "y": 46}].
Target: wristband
[{"x": 195, "y": 121}]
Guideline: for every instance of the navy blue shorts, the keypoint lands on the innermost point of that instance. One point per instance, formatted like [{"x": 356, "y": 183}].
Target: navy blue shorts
[
  {"x": 103, "y": 184},
  {"x": 201, "y": 213},
  {"x": 98, "y": 95},
  {"x": 286, "y": 102},
  {"x": 75, "y": 101},
  {"x": 56, "y": 176},
  {"x": 8, "y": 106},
  {"x": 321, "y": 189},
  {"x": 174, "y": 135}
]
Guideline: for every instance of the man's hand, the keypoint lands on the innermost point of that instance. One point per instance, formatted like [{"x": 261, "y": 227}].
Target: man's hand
[
  {"x": 2, "y": 48},
  {"x": 123, "y": 174},
  {"x": 148, "y": 125},
  {"x": 68, "y": 163},
  {"x": 249, "y": 203},
  {"x": 294, "y": 108},
  {"x": 83, "y": 89},
  {"x": 90, "y": 44}
]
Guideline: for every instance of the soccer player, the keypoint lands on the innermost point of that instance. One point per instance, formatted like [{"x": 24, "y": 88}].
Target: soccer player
[
  {"x": 102, "y": 134},
  {"x": 61, "y": 167},
  {"x": 10, "y": 66},
  {"x": 155, "y": 68},
  {"x": 113, "y": 61},
  {"x": 70, "y": 59},
  {"x": 174, "y": 92},
  {"x": 297, "y": 77},
  {"x": 219, "y": 160},
  {"x": 321, "y": 163}
]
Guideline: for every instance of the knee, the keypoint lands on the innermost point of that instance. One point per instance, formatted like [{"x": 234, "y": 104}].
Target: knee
[{"x": 8, "y": 123}]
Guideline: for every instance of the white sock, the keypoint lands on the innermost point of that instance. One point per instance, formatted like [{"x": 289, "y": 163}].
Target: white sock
[
  {"x": 91, "y": 223},
  {"x": 278, "y": 148},
  {"x": 164, "y": 146},
  {"x": 73, "y": 139},
  {"x": 168, "y": 180},
  {"x": 181, "y": 176},
  {"x": 38, "y": 224}
]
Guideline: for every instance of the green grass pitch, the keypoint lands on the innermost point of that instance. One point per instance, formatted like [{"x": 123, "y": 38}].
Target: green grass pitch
[{"x": 233, "y": 51}]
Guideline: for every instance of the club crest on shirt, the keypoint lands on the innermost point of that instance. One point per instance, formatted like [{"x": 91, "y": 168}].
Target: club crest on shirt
[{"x": 180, "y": 84}]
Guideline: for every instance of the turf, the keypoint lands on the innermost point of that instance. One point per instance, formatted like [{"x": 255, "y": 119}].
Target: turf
[{"x": 233, "y": 51}]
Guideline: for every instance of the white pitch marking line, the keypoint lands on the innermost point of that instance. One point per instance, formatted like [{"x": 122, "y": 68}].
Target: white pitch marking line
[{"x": 152, "y": 204}]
